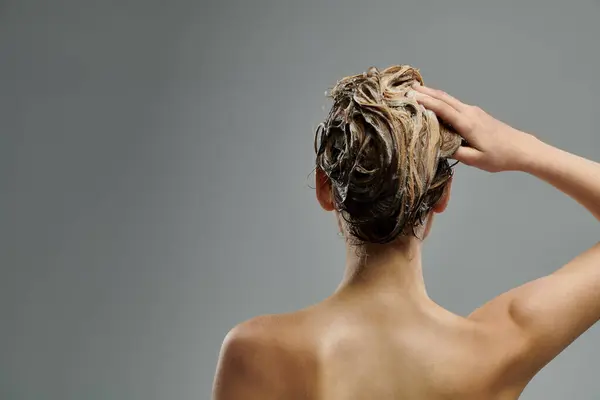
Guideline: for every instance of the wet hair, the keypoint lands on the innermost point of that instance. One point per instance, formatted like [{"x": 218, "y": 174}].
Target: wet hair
[{"x": 384, "y": 154}]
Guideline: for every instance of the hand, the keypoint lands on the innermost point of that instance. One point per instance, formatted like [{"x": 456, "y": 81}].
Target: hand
[{"x": 493, "y": 146}]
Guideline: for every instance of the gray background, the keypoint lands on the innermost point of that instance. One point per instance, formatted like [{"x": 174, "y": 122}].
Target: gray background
[{"x": 154, "y": 159}]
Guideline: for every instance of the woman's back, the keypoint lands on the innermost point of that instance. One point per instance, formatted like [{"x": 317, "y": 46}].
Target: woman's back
[
  {"x": 369, "y": 353},
  {"x": 347, "y": 349}
]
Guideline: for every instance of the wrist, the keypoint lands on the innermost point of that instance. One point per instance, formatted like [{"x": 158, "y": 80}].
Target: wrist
[{"x": 533, "y": 154}]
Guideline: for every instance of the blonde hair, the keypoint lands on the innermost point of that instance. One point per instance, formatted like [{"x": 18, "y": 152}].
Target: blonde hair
[{"x": 385, "y": 155}]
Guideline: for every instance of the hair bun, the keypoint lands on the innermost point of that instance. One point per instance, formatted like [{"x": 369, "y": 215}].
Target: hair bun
[{"x": 384, "y": 155}]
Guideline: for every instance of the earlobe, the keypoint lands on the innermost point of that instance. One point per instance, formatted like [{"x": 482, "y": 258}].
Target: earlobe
[{"x": 323, "y": 189}]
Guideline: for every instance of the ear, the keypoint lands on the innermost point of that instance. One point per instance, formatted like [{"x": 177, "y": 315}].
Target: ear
[
  {"x": 442, "y": 203},
  {"x": 323, "y": 186}
]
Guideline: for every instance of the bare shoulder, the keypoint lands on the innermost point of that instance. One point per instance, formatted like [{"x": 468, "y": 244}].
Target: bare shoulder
[{"x": 266, "y": 357}]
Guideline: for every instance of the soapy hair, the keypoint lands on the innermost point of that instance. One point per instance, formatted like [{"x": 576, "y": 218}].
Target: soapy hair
[{"x": 386, "y": 157}]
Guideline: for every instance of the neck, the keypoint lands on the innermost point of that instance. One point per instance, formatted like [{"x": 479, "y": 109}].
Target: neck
[{"x": 390, "y": 270}]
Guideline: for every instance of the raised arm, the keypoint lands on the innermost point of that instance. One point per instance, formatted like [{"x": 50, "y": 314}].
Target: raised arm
[{"x": 544, "y": 316}]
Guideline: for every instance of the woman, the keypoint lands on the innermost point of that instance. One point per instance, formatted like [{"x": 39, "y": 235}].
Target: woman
[{"x": 382, "y": 168}]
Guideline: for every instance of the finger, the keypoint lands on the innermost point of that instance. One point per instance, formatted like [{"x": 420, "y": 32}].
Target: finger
[
  {"x": 440, "y": 95},
  {"x": 467, "y": 155},
  {"x": 444, "y": 111}
]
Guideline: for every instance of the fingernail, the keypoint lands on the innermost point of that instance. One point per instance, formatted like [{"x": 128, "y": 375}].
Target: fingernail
[
  {"x": 416, "y": 84},
  {"x": 411, "y": 94}
]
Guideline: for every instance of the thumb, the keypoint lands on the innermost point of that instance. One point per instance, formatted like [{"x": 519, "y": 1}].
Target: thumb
[{"x": 467, "y": 155}]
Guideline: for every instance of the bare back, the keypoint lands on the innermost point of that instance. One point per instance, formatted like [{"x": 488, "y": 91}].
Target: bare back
[{"x": 362, "y": 352}]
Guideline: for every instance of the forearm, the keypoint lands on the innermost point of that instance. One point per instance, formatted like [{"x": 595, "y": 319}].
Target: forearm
[{"x": 575, "y": 176}]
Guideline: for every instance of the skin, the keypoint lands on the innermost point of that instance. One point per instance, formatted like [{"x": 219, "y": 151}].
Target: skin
[{"x": 380, "y": 336}]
